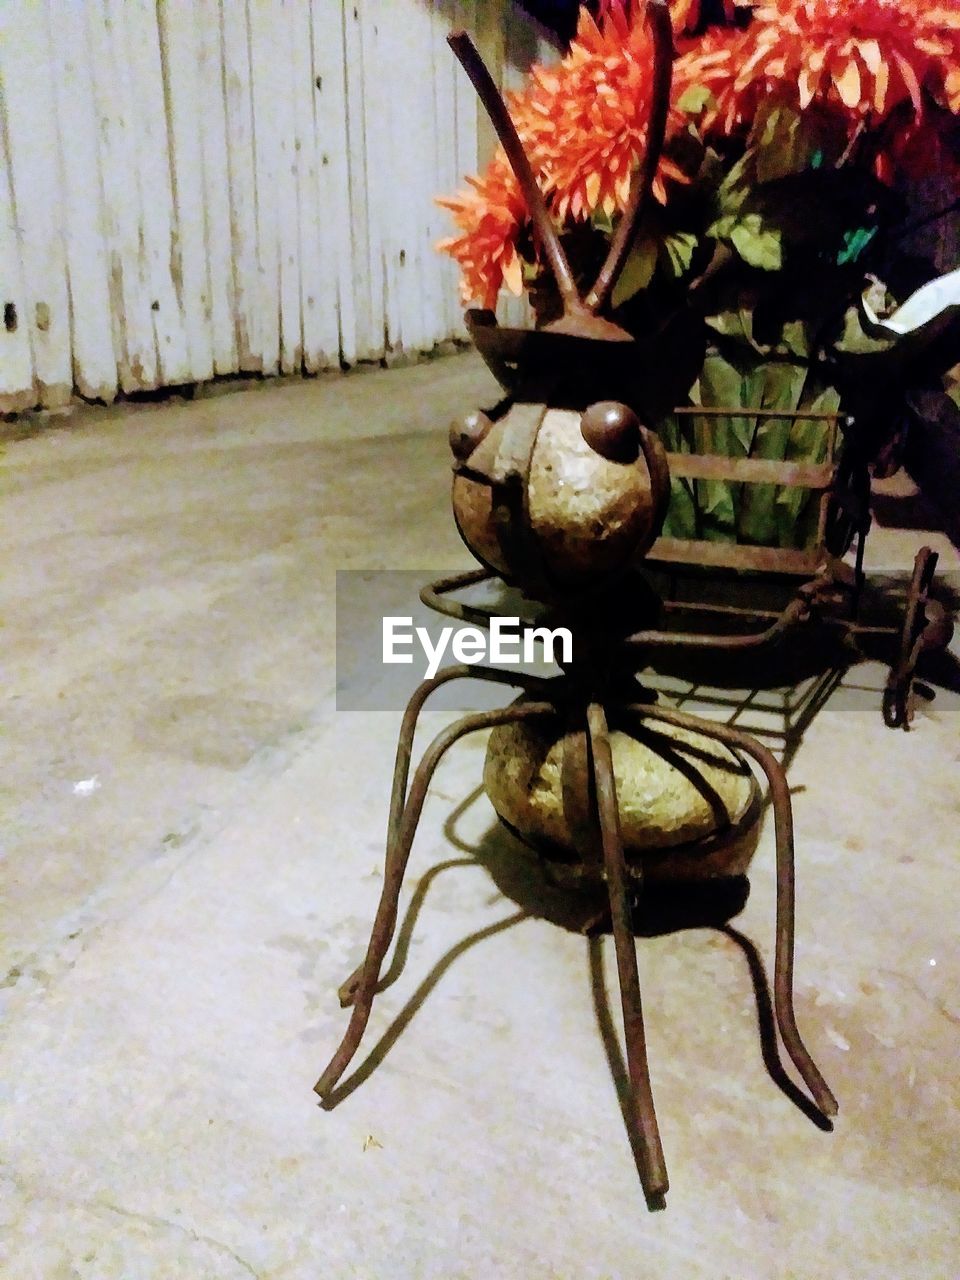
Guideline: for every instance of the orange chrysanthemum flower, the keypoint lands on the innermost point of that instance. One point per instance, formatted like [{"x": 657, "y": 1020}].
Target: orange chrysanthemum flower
[
  {"x": 950, "y": 97},
  {"x": 713, "y": 62},
  {"x": 585, "y": 121},
  {"x": 865, "y": 57},
  {"x": 584, "y": 125},
  {"x": 490, "y": 215},
  {"x": 687, "y": 14}
]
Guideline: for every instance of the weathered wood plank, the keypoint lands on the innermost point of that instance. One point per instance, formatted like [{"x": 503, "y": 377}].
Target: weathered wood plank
[
  {"x": 130, "y": 292},
  {"x": 318, "y": 280},
  {"x": 94, "y": 360},
  {"x": 333, "y": 174},
  {"x": 238, "y": 89},
  {"x": 288, "y": 167},
  {"x": 178, "y": 46},
  {"x": 384, "y": 81},
  {"x": 420, "y": 300},
  {"x": 18, "y": 388},
  {"x": 467, "y": 113},
  {"x": 369, "y": 341},
  {"x": 216, "y": 186},
  {"x": 264, "y": 17},
  {"x": 158, "y": 238},
  {"x": 445, "y": 68},
  {"x": 33, "y": 151}
]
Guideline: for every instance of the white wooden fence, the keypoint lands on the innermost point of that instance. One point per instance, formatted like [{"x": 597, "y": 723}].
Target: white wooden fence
[{"x": 193, "y": 188}]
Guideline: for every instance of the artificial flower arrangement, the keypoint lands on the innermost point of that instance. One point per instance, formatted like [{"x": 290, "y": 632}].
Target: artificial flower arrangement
[{"x": 796, "y": 130}]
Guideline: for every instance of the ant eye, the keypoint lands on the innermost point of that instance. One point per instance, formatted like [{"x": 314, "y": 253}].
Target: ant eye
[
  {"x": 467, "y": 432},
  {"x": 612, "y": 430}
]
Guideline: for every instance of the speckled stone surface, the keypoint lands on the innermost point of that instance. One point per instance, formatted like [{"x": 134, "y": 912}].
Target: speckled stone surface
[
  {"x": 174, "y": 937},
  {"x": 589, "y": 515},
  {"x": 674, "y": 788}
]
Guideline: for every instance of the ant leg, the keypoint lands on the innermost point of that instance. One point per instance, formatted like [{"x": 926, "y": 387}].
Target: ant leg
[
  {"x": 347, "y": 993},
  {"x": 398, "y": 852},
  {"x": 783, "y": 825},
  {"x": 653, "y": 1172}
]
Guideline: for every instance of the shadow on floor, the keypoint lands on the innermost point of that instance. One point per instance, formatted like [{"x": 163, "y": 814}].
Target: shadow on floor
[
  {"x": 776, "y": 692},
  {"x": 522, "y": 879}
]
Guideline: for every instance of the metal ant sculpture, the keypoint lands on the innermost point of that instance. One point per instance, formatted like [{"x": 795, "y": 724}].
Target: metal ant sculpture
[{"x": 561, "y": 492}]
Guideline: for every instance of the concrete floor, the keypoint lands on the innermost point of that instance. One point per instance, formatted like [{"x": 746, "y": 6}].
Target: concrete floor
[{"x": 192, "y": 849}]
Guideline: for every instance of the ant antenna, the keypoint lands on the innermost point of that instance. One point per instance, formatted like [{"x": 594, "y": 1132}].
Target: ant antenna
[
  {"x": 575, "y": 307},
  {"x": 658, "y": 15},
  {"x": 506, "y": 131}
]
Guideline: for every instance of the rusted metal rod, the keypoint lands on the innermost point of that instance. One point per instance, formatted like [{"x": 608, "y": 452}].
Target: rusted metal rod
[
  {"x": 658, "y": 14},
  {"x": 506, "y": 131},
  {"x": 896, "y": 709},
  {"x": 399, "y": 844},
  {"x": 401, "y": 769},
  {"x": 653, "y": 1172},
  {"x": 739, "y": 411},
  {"x": 490, "y": 675},
  {"x": 434, "y": 596},
  {"x": 796, "y": 612},
  {"x": 783, "y": 824}
]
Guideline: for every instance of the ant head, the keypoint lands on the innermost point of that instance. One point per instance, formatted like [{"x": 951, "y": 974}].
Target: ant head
[{"x": 558, "y": 501}]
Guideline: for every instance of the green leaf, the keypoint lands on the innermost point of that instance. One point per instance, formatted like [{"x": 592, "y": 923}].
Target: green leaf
[
  {"x": 729, "y": 324},
  {"x": 736, "y": 186},
  {"x": 681, "y": 521},
  {"x": 772, "y": 386},
  {"x": 856, "y": 341},
  {"x": 758, "y": 242},
  {"x": 720, "y": 230},
  {"x": 602, "y": 222},
  {"x": 769, "y": 515},
  {"x": 695, "y": 99},
  {"x": 718, "y": 517},
  {"x": 786, "y": 141},
  {"x": 795, "y": 339},
  {"x": 854, "y": 243},
  {"x": 808, "y": 442},
  {"x": 676, "y": 252},
  {"x": 719, "y": 386},
  {"x": 758, "y": 245},
  {"x": 637, "y": 272},
  {"x": 669, "y": 434},
  {"x": 712, "y": 170}
]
